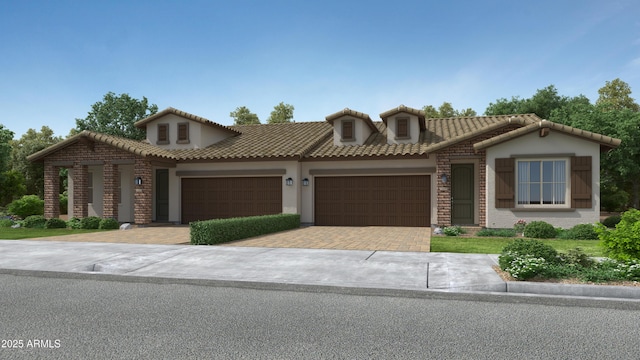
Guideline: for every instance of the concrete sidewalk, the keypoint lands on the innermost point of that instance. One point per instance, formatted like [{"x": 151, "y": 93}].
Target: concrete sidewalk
[{"x": 410, "y": 271}]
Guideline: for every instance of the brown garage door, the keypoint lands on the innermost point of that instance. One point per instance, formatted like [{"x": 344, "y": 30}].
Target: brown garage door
[
  {"x": 216, "y": 198},
  {"x": 372, "y": 200}
]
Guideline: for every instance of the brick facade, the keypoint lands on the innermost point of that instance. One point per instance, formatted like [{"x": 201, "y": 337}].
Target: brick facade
[
  {"x": 461, "y": 151},
  {"x": 79, "y": 156}
]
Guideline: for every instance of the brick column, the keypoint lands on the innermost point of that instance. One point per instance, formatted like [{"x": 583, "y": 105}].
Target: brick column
[
  {"x": 110, "y": 193},
  {"x": 51, "y": 191},
  {"x": 443, "y": 166},
  {"x": 80, "y": 190},
  {"x": 143, "y": 207}
]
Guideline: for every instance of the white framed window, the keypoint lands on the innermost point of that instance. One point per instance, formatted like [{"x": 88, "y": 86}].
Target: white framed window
[{"x": 542, "y": 183}]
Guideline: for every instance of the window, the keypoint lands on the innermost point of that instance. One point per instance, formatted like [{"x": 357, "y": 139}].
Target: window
[
  {"x": 402, "y": 128},
  {"x": 163, "y": 134},
  {"x": 183, "y": 133},
  {"x": 90, "y": 188},
  {"x": 347, "y": 130},
  {"x": 542, "y": 182}
]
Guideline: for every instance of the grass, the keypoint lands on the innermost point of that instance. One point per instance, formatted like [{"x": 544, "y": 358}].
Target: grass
[
  {"x": 489, "y": 245},
  {"x": 25, "y": 233}
]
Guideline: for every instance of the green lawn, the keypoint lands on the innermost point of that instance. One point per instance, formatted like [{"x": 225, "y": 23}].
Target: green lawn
[
  {"x": 490, "y": 245},
  {"x": 24, "y": 233}
]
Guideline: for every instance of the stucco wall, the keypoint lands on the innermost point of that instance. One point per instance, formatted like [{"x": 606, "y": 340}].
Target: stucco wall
[
  {"x": 360, "y": 129},
  {"x": 200, "y": 135},
  {"x": 414, "y": 129},
  {"x": 533, "y": 144},
  {"x": 307, "y": 192}
]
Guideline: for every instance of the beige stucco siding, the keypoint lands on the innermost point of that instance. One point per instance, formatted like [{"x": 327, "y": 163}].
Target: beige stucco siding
[
  {"x": 553, "y": 144},
  {"x": 200, "y": 135},
  {"x": 360, "y": 130},
  {"x": 414, "y": 129},
  {"x": 307, "y": 192}
]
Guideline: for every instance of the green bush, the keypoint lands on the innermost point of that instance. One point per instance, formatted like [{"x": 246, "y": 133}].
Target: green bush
[
  {"x": 576, "y": 257},
  {"x": 525, "y": 267},
  {"x": 521, "y": 247},
  {"x": 34, "y": 222},
  {"x": 26, "y": 206},
  {"x": 55, "y": 223},
  {"x": 611, "y": 221},
  {"x": 210, "y": 232},
  {"x": 623, "y": 242},
  {"x": 452, "y": 230},
  {"x": 109, "y": 224},
  {"x": 539, "y": 230},
  {"x": 5, "y": 223},
  {"x": 579, "y": 232},
  {"x": 496, "y": 232},
  {"x": 74, "y": 223},
  {"x": 90, "y": 222},
  {"x": 64, "y": 202}
]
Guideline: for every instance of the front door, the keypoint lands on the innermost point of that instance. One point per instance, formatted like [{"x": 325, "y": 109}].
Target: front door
[
  {"x": 462, "y": 204},
  {"x": 162, "y": 195}
]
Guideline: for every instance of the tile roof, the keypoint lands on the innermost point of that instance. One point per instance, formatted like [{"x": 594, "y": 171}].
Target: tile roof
[
  {"x": 263, "y": 141},
  {"x": 136, "y": 147},
  {"x": 143, "y": 123},
  {"x": 357, "y": 114}
]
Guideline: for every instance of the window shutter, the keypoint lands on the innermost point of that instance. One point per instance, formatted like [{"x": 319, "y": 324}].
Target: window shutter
[
  {"x": 581, "y": 189},
  {"x": 347, "y": 130},
  {"x": 403, "y": 128},
  {"x": 505, "y": 180},
  {"x": 183, "y": 132}
]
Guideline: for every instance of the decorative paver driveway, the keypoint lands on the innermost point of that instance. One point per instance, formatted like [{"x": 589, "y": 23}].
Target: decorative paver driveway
[
  {"x": 312, "y": 237},
  {"x": 346, "y": 238}
]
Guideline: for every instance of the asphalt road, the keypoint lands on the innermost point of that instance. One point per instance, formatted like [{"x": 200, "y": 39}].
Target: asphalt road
[{"x": 54, "y": 318}]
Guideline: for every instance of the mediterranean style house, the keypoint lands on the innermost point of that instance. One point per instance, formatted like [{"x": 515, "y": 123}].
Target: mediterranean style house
[{"x": 348, "y": 170}]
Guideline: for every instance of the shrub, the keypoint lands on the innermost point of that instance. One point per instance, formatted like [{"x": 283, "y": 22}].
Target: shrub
[
  {"x": 90, "y": 222},
  {"x": 452, "y": 230},
  {"x": 55, "y": 223},
  {"x": 218, "y": 231},
  {"x": 519, "y": 226},
  {"x": 623, "y": 242},
  {"x": 496, "y": 232},
  {"x": 64, "y": 202},
  {"x": 539, "y": 230},
  {"x": 580, "y": 232},
  {"x": 5, "y": 223},
  {"x": 611, "y": 221},
  {"x": 521, "y": 247},
  {"x": 74, "y": 223},
  {"x": 525, "y": 267},
  {"x": 109, "y": 224},
  {"x": 576, "y": 257},
  {"x": 34, "y": 222},
  {"x": 26, "y": 206}
]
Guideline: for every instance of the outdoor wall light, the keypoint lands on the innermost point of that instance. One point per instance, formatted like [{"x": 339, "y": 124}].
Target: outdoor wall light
[
  {"x": 305, "y": 182},
  {"x": 444, "y": 178},
  {"x": 289, "y": 181},
  {"x": 138, "y": 180}
]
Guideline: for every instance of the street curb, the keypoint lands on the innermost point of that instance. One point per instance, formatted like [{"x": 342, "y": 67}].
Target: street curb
[{"x": 460, "y": 295}]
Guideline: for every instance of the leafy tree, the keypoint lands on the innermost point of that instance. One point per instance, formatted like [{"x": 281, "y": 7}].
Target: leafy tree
[
  {"x": 116, "y": 114},
  {"x": 31, "y": 142},
  {"x": 617, "y": 95},
  {"x": 243, "y": 116},
  {"x": 282, "y": 113},
  {"x": 446, "y": 110},
  {"x": 6, "y": 136},
  {"x": 11, "y": 186},
  {"x": 542, "y": 103}
]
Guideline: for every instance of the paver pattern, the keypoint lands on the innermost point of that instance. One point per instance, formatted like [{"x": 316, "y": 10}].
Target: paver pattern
[{"x": 312, "y": 237}]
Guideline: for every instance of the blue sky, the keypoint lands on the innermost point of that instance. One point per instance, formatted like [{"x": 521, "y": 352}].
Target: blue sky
[{"x": 57, "y": 58}]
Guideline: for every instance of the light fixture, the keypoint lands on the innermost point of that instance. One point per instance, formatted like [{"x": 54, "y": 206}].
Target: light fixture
[
  {"x": 444, "y": 178},
  {"x": 289, "y": 181},
  {"x": 138, "y": 180},
  {"x": 305, "y": 182}
]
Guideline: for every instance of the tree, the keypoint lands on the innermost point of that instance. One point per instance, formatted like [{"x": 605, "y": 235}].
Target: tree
[
  {"x": 617, "y": 95},
  {"x": 542, "y": 103},
  {"x": 116, "y": 114},
  {"x": 11, "y": 187},
  {"x": 6, "y": 136},
  {"x": 282, "y": 113},
  {"x": 243, "y": 116},
  {"x": 446, "y": 110},
  {"x": 31, "y": 142}
]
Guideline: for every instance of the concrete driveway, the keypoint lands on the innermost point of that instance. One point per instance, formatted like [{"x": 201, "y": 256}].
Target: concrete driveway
[{"x": 313, "y": 237}]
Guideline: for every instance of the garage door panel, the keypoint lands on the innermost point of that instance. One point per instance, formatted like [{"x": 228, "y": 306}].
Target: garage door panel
[
  {"x": 373, "y": 200},
  {"x": 216, "y": 198}
]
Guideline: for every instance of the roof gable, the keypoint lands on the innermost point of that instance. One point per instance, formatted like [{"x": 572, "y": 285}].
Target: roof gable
[
  {"x": 142, "y": 123},
  {"x": 356, "y": 114}
]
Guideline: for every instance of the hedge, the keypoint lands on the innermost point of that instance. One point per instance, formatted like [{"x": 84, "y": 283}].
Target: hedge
[{"x": 217, "y": 231}]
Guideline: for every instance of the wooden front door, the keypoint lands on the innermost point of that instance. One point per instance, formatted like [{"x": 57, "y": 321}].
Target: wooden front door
[
  {"x": 162, "y": 195},
  {"x": 462, "y": 194}
]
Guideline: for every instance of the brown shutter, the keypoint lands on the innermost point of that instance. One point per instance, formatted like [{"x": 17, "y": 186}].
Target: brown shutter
[
  {"x": 347, "y": 130},
  {"x": 163, "y": 132},
  {"x": 183, "y": 132},
  {"x": 403, "y": 128},
  {"x": 581, "y": 189},
  {"x": 505, "y": 180}
]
